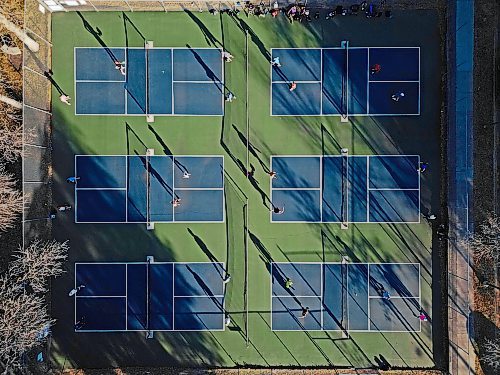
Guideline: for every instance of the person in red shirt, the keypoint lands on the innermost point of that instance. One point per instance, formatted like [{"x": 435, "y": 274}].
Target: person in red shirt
[{"x": 376, "y": 68}]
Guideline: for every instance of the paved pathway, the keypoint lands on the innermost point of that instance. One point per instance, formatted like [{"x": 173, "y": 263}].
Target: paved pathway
[{"x": 460, "y": 180}]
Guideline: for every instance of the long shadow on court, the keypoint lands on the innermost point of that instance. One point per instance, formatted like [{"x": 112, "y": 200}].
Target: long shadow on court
[
  {"x": 209, "y": 37},
  {"x": 245, "y": 28},
  {"x": 109, "y": 243},
  {"x": 203, "y": 246},
  {"x": 208, "y": 71},
  {"x": 97, "y": 34}
]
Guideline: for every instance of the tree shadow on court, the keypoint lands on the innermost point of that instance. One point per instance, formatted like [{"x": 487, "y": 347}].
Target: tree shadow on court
[
  {"x": 329, "y": 145},
  {"x": 109, "y": 243},
  {"x": 340, "y": 247}
]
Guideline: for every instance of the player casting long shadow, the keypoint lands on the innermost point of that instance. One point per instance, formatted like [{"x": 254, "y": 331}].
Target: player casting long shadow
[
  {"x": 48, "y": 74},
  {"x": 201, "y": 244},
  {"x": 205, "y": 288},
  {"x": 167, "y": 151},
  {"x": 245, "y": 28},
  {"x": 251, "y": 148},
  {"x": 97, "y": 33},
  {"x": 281, "y": 74},
  {"x": 128, "y": 132},
  {"x": 209, "y": 72},
  {"x": 265, "y": 255},
  {"x": 265, "y": 199},
  {"x": 128, "y": 21},
  {"x": 209, "y": 37}
]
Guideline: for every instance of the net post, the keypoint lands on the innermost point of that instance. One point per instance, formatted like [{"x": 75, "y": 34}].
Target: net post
[
  {"x": 150, "y": 225},
  {"x": 344, "y": 116},
  {"x": 149, "y": 333},
  {"x": 344, "y": 152},
  {"x": 148, "y": 45}
]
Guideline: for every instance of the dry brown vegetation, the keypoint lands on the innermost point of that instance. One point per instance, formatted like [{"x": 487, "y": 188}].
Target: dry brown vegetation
[
  {"x": 485, "y": 246},
  {"x": 176, "y": 371},
  {"x": 11, "y": 136},
  {"x": 11, "y": 201},
  {"x": 24, "y": 317},
  {"x": 39, "y": 261}
]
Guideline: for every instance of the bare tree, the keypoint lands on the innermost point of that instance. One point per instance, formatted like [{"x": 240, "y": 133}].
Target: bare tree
[
  {"x": 10, "y": 90},
  {"x": 491, "y": 353},
  {"x": 485, "y": 243},
  {"x": 24, "y": 320},
  {"x": 8, "y": 46},
  {"x": 11, "y": 133},
  {"x": 23, "y": 317},
  {"x": 37, "y": 262},
  {"x": 11, "y": 201},
  {"x": 14, "y": 25}
]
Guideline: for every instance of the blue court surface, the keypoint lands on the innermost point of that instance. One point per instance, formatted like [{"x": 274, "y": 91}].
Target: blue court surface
[
  {"x": 346, "y": 297},
  {"x": 157, "y": 81},
  {"x": 346, "y": 189},
  {"x": 149, "y": 297},
  {"x": 338, "y": 81},
  {"x": 142, "y": 189}
]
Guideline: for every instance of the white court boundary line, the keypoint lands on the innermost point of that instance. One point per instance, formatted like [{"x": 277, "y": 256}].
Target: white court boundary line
[
  {"x": 172, "y": 113},
  {"x": 125, "y": 297},
  {"x": 368, "y": 265},
  {"x": 368, "y": 189},
  {"x": 367, "y": 114},
  {"x": 126, "y": 188}
]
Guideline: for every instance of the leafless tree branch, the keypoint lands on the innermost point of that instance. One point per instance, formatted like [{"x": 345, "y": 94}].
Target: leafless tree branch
[
  {"x": 37, "y": 262},
  {"x": 491, "y": 353},
  {"x": 11, "y": 201}
]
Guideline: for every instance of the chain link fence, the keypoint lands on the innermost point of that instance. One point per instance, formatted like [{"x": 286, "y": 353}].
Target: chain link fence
[
  {"x": 149, "y": 5},
  {"x": 36, "y": 126}
]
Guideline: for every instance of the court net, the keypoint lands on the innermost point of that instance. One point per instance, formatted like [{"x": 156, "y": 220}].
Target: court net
[
  {"x": 345, "y": 188},
  {"x": 149, "y": 222},
  {"x": 149, "y": 332},
  {"x": 147, "y": 47},
  {"x": 344, "y": 322},
  {"x": 345, "y": 79}
]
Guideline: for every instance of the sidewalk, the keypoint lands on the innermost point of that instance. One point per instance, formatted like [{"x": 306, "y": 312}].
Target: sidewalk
[{"x": 460, "y": 181}]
